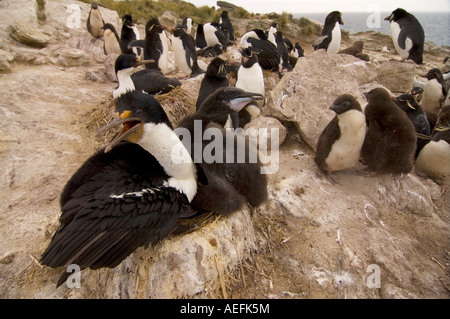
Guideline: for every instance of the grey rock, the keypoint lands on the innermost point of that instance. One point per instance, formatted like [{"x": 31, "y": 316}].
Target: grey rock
[{"x": 28, "y": 34}]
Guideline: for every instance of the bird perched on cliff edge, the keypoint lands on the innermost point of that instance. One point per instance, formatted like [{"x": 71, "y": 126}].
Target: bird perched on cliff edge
[
  {"x": 407, "y": 35},
  {"x": 330, "y": 39}
]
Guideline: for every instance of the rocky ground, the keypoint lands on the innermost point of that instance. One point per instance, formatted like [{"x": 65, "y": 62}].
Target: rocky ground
[{"x": 311, "y": 239}]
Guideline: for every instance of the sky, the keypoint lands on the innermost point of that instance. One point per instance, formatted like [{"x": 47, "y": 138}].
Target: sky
[{"x": 300, "y": 6}]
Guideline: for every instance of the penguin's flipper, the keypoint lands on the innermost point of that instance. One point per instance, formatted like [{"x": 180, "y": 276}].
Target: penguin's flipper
[{"x": 321, "y": 42}]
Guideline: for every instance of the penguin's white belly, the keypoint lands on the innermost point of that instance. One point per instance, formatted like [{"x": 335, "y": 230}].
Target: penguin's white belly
[
  {"x": 96, "y": 23},
  {"x": 345, "y": 152},
  {"x": 434, "y": 161},
  {"x": 210, "y": 36},
  {"x": 111, "y": 44},
  {"x": 335, "y": 44},
  {"x": 163, "y": 62},
  {"x": 432, "y": 96},
  {"x": 180, "y": 55},
  {"x": 251, "y": 79},
  {"x": 395, "y": 30}
]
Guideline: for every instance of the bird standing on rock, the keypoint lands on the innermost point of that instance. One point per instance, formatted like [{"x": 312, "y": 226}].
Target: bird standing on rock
[
  {"x": 330, "y": 39},
  {"x": 407, "y": 35},
  {"x": 390, "y": 140},
  {"x": 95, "y": 21},
  {"x": 339, "y": 144},
  {"x": 156, "y": 46}
]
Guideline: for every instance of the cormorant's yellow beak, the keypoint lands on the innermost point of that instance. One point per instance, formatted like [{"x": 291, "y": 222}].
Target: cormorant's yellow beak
[{"x": 132, "y": 129}]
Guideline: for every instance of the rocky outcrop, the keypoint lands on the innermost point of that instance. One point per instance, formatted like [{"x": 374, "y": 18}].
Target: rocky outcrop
[{"x": 26, "y": 33}]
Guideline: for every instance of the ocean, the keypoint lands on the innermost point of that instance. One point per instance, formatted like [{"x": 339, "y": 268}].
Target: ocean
[{"x": 435, "y": 24}]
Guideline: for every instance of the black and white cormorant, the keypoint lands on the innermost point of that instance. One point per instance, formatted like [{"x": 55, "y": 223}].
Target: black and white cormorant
[
  {"x": 126, "y": 196},
  {"x": 148, "y": 80}
]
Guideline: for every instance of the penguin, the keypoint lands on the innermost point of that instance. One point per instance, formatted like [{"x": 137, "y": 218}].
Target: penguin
[
  {"x": 330, "y": 39},
  {"x": 408, "y": 104},
  {"x": 187, "y": 25},
  {"x": 271, "y": 34},
  {"x": 407, "y": 35},
  {"x": 251, "y": 79},
  {"x": 183, "y": 46},
  {"x": 434, "y": 92},
  {"x": 225, "y": 21},
  {"x": 282, "y": 52},
  {"x": 434, "y": 159},
  {"x": 215, "y": 35},
  {"x": 128, "y": 34},
  {"x": 298, "y": 51},
  {"x": 339, "y": 144},
  {"x": 266, "y": 50},
  {"x": 390, "y": 140},
  {"x": 149, "y": 81},
  {"x": 95, "y": 21},
  {"x": 156, "y": 46},
  {"x": 125, "y": 196},
  {"x": 111, "y": 40},
  {"x": 232, "y": 179},
  {"x": 200, "y": 40},
  {"x": 215, "y": 77}
]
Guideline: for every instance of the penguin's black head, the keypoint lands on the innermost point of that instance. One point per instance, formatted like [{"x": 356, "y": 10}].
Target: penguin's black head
[
  {"x": 249, "y": 57},
  {"x": 274, "y": 25},
  {"x": 94, "y": 6},
  {"x": 217, "y": 68},
  {"x": 127, "y": 17},
  {"x": 134, "y": 109},
  {"x": 227, "y": 99},
  {"x": 153, "y": 25},
  {"x": 396, "y": 15},
  {"x": 443, "y": 121},
  {"x": 407, "y": 102},
  {"x": 126, "y": 61},
  {"x": 334, "y": 17},
  {"x": 178, "y": 31},
  {"x": 344, "y": 103},
  {"x": 416, "y": 90},
  {"x": 435, "y": 73},
  {"x": 224, "y": 14}
]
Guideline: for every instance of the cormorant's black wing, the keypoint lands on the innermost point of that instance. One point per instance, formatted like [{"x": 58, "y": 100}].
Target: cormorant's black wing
[{"x": 119, "y": 208}]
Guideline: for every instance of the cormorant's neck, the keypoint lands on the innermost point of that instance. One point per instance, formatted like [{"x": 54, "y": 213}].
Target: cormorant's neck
[
  {"x": 163, "y": 143},
  {"x": 125, "y": 82}
]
